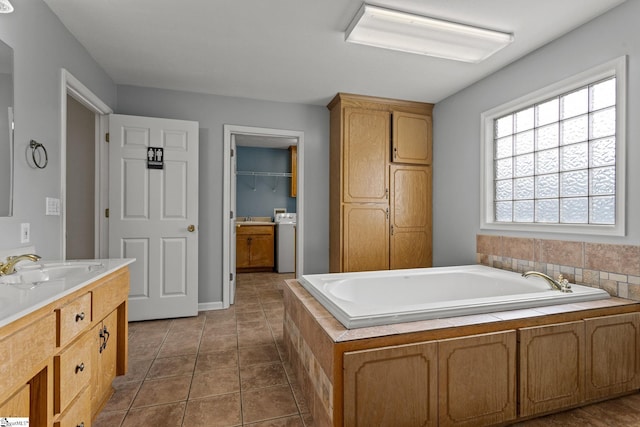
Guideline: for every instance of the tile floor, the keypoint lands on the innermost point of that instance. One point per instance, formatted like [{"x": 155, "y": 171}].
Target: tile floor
[
  {"x": 221, "y": 368},
  {"x": 225, "y": 368}
]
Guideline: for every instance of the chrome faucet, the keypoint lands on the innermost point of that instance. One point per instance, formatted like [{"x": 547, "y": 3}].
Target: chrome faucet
[
  {"x": 9, "y": 266},
  {"x": 561, "y": 284}
]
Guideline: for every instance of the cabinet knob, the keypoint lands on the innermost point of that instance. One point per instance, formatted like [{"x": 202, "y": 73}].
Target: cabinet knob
[
  {"x": 80, "y": 317},
  {"x": 79, "y": 368}
]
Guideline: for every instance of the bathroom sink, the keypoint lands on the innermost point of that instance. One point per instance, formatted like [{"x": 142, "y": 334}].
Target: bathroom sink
[{"x": 49, "y": 271}]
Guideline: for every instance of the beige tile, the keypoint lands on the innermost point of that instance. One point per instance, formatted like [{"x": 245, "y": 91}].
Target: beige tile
[
  {"x": 518, "y": 247},
  {"x": 489, "y": 245},
  {"x": 137, "y": 371},
  {"x": 161, "y": 391},
  {"x": 223, "y": 410},
  {"x": 214, "y": 342},
  {"x": 258, "y": 355},
  {"x": 268, "y": 403},
  {"x": 172, "y": 366},
  {"x": 227, "y": 359},
  {"x": 211, "y": 383},
  {"x": 560, "y": 252},
  {"x": 109, "y": 419},
  {"x": 123, "y": 396},
  {"x": 295, "y": 421},
  {"x": 255, "y": 337},
  {"x": 161, "y": 415},
  {"x": 260, "y": 376}
]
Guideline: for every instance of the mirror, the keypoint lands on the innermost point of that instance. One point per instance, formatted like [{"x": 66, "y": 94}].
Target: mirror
[{"x": 6, "y": 130}]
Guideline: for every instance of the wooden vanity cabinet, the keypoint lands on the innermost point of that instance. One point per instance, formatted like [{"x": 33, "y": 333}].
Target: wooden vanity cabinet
[
  {"x": 48, "y": 366},
  {"x": 370, "y": 140},
  {"x": 255, "y": 247}
]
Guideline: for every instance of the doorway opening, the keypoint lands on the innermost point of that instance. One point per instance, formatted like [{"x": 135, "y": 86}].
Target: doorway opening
[
  {"x": 256, "y": 137},
  {"x": 79, "y": 107}
]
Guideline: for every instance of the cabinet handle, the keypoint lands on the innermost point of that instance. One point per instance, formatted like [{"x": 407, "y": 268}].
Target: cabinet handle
[
  {"x": 387, "y": 211},
  {"x": 80, "y": 317},
  {"x": 104, "y": 335},
  {"x": 392, "y": 229},
  {"x": 395, "y": 153},
  {"x": 80, "y": 425},
  {"x": 386, "y": 193},
  {"x": 80, "y": 367}
]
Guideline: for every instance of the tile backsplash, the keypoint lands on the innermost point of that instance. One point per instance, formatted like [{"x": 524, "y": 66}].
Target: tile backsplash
[{"x": 614, "y": 268}]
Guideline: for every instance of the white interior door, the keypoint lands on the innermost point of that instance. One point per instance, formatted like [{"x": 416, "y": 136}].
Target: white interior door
[
  {"x": 232, "y": 228},
  {"x": 154, "y": 213}
]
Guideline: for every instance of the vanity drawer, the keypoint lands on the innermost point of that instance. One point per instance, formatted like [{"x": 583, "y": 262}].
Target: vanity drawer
[
  {"x": 73, "y": 319},
  {"x": 254, "y": 229},
  {"x": 71, "y": 372},
  {"x": 78, "y": 414}
]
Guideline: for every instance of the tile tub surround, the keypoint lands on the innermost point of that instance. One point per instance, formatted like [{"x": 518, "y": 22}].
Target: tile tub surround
[
  {"x": 315, "y": 341},
  {"x": 614, "y": 268}
]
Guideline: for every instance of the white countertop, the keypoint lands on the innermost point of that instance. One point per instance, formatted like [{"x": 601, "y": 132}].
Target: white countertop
[{"x": 17, "y": 301}]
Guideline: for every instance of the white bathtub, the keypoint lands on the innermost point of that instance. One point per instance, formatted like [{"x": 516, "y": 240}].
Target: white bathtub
[{"x": 376, "y": 298}]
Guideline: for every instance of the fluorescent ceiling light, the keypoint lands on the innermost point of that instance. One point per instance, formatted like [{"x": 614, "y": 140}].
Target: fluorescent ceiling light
[
  {"x": 392, "y": 29},
  {"x": 6, "y": 6}
]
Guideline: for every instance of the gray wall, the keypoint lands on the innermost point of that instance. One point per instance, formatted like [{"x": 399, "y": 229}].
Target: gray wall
[
  {"x": 260, "y": 195},
  {"x": 212, "y": 112},
  {"x": 456, "y": 200},
  {"x": 42, "y": 46}
]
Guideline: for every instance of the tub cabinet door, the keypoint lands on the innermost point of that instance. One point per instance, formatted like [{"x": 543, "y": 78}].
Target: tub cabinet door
[
  {"x": 391, "y": 386},
  {"x": 477, "y": 376},
  {"x": 551, "y": 367},
  {"x": 613, "y": 355}
]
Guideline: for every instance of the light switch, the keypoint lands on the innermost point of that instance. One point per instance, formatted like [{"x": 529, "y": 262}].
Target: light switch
[{"x": 25, "y": 232}]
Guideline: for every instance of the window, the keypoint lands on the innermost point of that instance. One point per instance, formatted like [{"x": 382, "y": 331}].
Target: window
[{"x": 554, "y": 160}]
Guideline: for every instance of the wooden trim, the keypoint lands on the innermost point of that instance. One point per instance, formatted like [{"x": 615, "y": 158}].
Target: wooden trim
[{"x": 379, "y": 103}]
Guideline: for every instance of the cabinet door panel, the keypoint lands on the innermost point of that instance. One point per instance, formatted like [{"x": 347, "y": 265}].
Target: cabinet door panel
[
  {"x": 366, "y": 238},
  {"x": 242, "y": 251},
  {"x": 410, "y": 216},
  {"x": 477, "y": 377},
  {"x": 551, "y": 367},
  {"x": 613, "y": 355},
  {"x": 392, "y": 386},
  {"x": 411, "y": 138},
  {"x": 366, "y": 154},
  {"x": 262, "y": 251}
]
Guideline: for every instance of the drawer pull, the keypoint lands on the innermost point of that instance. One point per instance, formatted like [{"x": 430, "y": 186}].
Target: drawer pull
[
  {"x": 80, "y": 317},
  {"x": 81, "y": 424},
  {"x": 79, "y": 368}
]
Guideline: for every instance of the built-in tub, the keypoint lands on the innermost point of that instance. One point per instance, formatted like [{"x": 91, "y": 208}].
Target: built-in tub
[{"x": 385, "y": 297}]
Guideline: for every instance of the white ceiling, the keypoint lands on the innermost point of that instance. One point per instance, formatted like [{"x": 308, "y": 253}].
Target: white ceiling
[{"x": 294, "y": 50}]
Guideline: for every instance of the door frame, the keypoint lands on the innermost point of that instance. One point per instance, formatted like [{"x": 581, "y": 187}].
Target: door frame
[
  {"x": 230, "y": 130},
  {"x": 73, "y": 87}
]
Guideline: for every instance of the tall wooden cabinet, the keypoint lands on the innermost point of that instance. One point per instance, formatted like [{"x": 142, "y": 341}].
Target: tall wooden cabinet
[{"x": 380, "y": 184}]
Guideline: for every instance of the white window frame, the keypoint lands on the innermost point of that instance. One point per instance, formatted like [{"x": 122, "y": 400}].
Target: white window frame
[{"x": 617, "y": 68}]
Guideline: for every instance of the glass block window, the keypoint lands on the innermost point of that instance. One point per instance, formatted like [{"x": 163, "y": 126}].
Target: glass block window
[{"x": 555, "y": 160}]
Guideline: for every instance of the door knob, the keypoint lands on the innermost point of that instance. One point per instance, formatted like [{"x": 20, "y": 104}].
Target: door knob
[{"x": 191, "y": 228}]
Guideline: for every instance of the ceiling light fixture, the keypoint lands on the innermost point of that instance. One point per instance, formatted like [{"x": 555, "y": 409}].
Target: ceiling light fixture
[
  {"x": 392, "y": 29},
  {"x": 6, "y": 6}
]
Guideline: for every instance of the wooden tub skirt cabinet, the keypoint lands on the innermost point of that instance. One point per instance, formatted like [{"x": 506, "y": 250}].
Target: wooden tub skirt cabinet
[
  {"x": 479, "y": 370},
  {"x": 57, "y": 363}
]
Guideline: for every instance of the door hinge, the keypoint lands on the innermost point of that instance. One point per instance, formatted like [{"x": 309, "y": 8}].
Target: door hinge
[
  {"x": 231, "y": 277},
  {"x": 231, "y": 215},
  {"x": 106, "y": 213},
  {"x": 233, "y": 152},
  {"x": 106, "y": 137}
]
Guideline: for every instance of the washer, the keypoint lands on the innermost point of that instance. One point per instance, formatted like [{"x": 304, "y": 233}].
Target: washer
[{"x": 285, "y": 242}]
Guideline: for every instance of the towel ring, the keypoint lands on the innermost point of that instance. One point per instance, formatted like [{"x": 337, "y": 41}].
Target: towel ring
[{"x": 39, "y": 154}]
